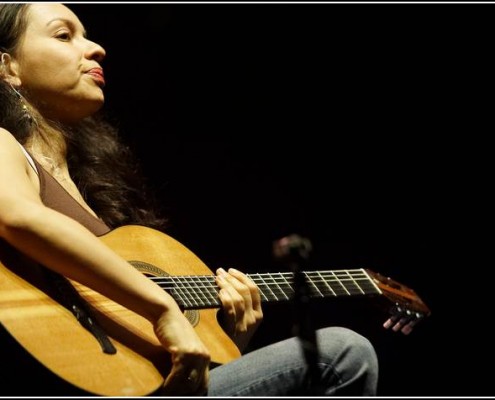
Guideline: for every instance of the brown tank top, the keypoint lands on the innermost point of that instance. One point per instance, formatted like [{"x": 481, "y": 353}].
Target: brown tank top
[{"x": 54, "y": 195}]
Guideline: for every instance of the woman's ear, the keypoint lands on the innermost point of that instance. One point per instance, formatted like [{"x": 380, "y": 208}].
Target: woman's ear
[
  {"x": 3, "y": 65},
  {"x": 8, "y": 70}
]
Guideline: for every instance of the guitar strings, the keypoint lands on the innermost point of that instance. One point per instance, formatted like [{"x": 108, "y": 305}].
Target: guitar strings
[
  {"x": 272, "y": 286},
  {"x": 201, "y": 291}
]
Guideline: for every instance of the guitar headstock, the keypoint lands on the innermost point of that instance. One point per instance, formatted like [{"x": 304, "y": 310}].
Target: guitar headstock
[{"x": 406, "y": 308}]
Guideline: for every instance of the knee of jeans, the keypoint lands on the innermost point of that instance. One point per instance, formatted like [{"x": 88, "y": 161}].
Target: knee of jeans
[
  {"x": 349, "y": 342},
  {"x": 352, "y": 358}
]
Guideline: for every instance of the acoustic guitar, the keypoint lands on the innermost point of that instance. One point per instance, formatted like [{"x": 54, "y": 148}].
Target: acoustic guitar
[{"x": 105, "y": 349}]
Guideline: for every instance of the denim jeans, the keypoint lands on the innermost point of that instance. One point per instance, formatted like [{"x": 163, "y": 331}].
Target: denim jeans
[{"x": 347, "y": 366}]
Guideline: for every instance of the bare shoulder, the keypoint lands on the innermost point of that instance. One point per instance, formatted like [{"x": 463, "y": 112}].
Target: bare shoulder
[
  {"x": 7, "y": 138},
  {"x": 8, "y": 143},
  {"x": 4, "y": 131},
  {"x": 15, "y": 171},
  {"x": 10, "y": 149}
]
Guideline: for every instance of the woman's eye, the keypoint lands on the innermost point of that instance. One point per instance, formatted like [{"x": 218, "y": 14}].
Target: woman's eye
[{"x": 63, "y": 36}]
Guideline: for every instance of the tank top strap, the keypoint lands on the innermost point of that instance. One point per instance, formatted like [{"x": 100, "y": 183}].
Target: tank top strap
[
  {"x": 30, "y": 159},
  {"x": 55, "y": 196}
]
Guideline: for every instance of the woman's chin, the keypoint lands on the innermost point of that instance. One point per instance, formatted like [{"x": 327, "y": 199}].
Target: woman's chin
[{"x": 73, "y": 115}]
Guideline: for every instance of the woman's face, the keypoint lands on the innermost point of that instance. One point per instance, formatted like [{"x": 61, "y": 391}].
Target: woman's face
[{"x": 58, "y": 66}]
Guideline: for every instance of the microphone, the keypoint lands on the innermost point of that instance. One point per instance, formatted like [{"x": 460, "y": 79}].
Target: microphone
[{"x": 295, "y": 251}]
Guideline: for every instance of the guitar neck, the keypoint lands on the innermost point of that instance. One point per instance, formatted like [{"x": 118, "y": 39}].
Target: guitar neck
[{"x": 201, "y": 291}]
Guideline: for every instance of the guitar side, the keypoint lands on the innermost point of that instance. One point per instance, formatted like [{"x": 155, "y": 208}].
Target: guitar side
[{"x": 52, "y": 334}]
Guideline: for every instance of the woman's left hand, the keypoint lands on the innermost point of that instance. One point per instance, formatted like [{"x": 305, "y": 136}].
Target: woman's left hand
[{"x": 241, "y": 302}]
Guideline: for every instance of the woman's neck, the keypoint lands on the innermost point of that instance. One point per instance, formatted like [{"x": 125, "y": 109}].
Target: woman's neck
[{"x": 47, "y": 144}]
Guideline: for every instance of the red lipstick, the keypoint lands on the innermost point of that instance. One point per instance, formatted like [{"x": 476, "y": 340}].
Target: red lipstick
[{"x": 97, "y": 75}]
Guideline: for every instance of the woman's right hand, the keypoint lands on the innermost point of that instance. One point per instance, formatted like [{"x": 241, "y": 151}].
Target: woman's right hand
[{"x": 190, "y": 358}]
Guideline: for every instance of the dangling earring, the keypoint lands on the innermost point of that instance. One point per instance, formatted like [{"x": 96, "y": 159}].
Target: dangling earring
[
  {"x": 22, "y": 101},
  {"x": 20, "y": 97}
]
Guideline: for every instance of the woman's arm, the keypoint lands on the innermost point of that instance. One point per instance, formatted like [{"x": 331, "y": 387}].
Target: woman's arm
[{"x": 65, "y": 246}]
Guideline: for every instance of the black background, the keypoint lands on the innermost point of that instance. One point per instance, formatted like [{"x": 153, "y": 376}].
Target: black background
[{"x": 359, "y": 126}]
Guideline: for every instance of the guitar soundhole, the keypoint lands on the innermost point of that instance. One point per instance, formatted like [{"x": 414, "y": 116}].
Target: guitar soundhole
[{"x": 151, "y": 270}]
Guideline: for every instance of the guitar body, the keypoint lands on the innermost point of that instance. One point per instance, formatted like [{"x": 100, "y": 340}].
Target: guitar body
[
  {"x": 127, "y": 359},
  {"x": 50, "y": 332}
]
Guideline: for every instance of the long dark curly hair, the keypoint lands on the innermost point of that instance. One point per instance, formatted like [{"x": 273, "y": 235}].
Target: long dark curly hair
[{"x": 104, "y": 168}]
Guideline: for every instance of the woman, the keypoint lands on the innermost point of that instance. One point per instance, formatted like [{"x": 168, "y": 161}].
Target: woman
[{"x": 65, "y": 180}]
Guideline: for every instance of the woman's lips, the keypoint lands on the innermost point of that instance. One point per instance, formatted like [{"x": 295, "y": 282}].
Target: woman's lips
[{"x": 97, "y": 75}]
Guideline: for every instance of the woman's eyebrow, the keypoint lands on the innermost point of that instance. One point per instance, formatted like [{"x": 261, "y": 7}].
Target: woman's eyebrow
[{"x": 68, "y": 22}]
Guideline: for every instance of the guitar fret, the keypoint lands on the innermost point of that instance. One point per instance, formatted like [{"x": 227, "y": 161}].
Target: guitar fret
[
  {"x": 206, "y": 288},
  {"x": 354, "y": 275},
  {"x": 363, "y": 282},
  {"x": 181, "y": 298},
  {"x": 271, "y": 294},
  {"x": 367, "y": 284},
  {"x": 349, "y": 283},
  {"x": 369, "y": 287},
  {"x": 340, "y": 289},
  {"x": 211, "y": 290},
  {"x": 332, "y": 292},
  {"x": 200, "y": 281},
  {"x": 285, "y": 286},
  {"x": 200, "y": 297},
  {"x": 273, "y": 290},
  {"x": 261, "y": 285},
  {"x": 355, "y": 282},
  {"x": 315, "y": 292},
  {"x": 193, "y": 294}
]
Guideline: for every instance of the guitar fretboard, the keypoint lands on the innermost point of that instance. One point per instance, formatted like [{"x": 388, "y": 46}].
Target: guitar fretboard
[{"x": 201, "y": 291}]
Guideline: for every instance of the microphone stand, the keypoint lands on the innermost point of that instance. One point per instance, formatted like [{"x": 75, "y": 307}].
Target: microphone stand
[{"x": 295, "y": 251}]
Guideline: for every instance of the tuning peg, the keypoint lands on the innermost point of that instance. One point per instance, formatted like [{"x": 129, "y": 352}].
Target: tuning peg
[
  {"x": 402, "y": 319},
  {"x": 407, "y": 329}
]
